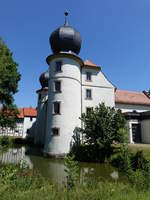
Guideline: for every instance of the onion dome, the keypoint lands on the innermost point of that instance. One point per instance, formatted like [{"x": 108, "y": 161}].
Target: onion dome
[
  {"x": 44, "y": 77},
  {"x": 65, "y": 39}
]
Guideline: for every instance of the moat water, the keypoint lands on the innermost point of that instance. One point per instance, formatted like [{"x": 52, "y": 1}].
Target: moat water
[{"x": 54, "y": 168}]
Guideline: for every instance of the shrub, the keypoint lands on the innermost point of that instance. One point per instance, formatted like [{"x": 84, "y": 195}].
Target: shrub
[
  {"x": 101, "y": 128},
  {"x": 123, "y": 159},
  {"x": 72, "y": 171},
  {"x": 4, "y": 141},
  {"x": 90, "y": 153}
]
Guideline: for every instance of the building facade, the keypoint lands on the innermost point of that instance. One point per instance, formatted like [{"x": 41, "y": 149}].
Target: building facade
[
  {"x": 25, "y": 121},
  {"x": 71, "y": 87}
]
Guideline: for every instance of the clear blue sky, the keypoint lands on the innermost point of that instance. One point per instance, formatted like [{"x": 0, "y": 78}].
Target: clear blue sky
[{"x": 115, "y": 34}]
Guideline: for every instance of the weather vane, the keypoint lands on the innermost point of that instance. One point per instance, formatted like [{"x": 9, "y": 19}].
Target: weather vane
[{"x": 66, "y": 18}]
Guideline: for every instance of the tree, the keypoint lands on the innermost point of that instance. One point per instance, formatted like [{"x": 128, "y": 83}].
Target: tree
[
  {"x": 9, "y": 77},
  {"x": 102, "y": 127}
]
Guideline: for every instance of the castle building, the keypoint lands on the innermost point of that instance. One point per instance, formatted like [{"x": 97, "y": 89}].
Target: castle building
[{"x": 71, "y": 87}]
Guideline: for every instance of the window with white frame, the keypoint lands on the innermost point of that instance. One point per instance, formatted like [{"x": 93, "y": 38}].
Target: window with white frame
[
  {"x": 57, "y": 86},
  {"x": 55, "y": 131},
  {"x": 58, "y": 66},
  {"x": 88, "y": 76},
  {"x": 88, "y": 94},
  {"x": 88, "y": 109},
  {"x": 56, "y": 107}
]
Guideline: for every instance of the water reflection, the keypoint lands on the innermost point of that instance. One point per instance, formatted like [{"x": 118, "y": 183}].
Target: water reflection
[
  {"x": 54, "y": 168},
  {"x": 15, "y": 156}
]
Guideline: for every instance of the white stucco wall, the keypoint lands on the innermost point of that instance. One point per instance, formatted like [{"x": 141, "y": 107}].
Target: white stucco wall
[
  {"x": 131, "y": 108},
  {"x": 145, "y": 128},
  {"x": 27, "y": 124},
  {"x": 102, "y": 89},
  {"x": 70, "y": 99},
  {"x": 41, "y": 118}
]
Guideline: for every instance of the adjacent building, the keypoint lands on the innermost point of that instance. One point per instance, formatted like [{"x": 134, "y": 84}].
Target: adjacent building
[{"x": 25, "y": 121}]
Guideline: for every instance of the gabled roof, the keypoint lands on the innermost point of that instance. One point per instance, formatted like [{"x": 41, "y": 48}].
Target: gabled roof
[
  {"x": 131, "y": 97},
  {"x": 88, "y": 63},
  {"x": 27, "y": 112}
]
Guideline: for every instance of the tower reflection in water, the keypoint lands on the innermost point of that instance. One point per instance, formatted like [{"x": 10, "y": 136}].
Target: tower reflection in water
[{"x": 53, "y": 169}]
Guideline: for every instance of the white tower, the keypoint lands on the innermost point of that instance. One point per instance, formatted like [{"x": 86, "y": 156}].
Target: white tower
[
  {"x": 64, "y": 90},
  {"x": 42, "y": 110}
]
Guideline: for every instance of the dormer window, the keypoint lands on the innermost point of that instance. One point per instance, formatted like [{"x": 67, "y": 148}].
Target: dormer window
[
  {"x": 58, "y": 66},
  {"x": 88, "y": 76}
]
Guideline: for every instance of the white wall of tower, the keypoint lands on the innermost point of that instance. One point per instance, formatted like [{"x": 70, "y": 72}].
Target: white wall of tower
[
  {"x": 41, "y": 117},
  {"x": 70, "y": 111}
]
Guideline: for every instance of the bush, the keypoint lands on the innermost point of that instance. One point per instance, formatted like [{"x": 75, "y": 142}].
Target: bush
[
  {"x": 136, "y": 167},
  {"x": 4, "y": 141},
  {"x": 102, "y": 127},
  {"x": 72, "y": 171},
  {"x": 123, "y": 159},
  {"x": 90, "y": 153}
]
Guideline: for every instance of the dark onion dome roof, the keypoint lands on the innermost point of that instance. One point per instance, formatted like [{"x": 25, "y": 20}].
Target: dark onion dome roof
[
  {"x": 65, "y": 39},
  {"x": 44, "y": 77}
]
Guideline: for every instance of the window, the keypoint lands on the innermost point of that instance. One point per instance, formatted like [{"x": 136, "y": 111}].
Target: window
[
  {"x": 55, "y": 131},
  {"x": 88, "y": 94},
  {"x": 56, "y": 108},
  {"x": 58, "y": 66},
  {"x": 89, "y": 109},
  {"x": 88, "y": 76},
  {"x": 31, "y": 119},
  {"x": 57, "y": 86}
]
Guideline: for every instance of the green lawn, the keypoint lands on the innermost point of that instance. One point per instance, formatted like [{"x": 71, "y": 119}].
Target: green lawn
[{"x": 144, "y": 147}]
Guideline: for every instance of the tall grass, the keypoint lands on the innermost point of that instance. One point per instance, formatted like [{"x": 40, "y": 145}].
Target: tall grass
[{"x": 20, "y": 183}]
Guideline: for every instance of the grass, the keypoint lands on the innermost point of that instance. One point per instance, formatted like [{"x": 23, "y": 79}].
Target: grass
[
  {"x": 144, "y": 147},
  {"x": 26, "y": 184},
  {"x": 91, "y": 191},
  {"x": 22, "y": 184}
]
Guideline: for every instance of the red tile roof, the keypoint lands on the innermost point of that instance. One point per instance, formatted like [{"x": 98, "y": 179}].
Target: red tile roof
[
  {"x": 27, "y": 112},
  {"x": 88, "y": 63},
  {"x": 131, "y": 97}
]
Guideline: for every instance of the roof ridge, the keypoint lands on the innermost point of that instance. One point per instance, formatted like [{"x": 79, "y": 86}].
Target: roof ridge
[{"x": 131, "y": 91}]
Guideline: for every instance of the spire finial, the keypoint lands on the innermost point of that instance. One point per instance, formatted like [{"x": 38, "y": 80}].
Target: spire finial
[{"x": 66, "y": 18}]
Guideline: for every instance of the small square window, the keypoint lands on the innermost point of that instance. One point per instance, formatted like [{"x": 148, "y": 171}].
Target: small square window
[
  {"x": 88, "y": 76},
  {"x": 57, "y": 86},
  {"x": 58, "y": 66},
  {"x": 88, "y": 94},
  {"x": 89, "y": 109},
  {"x": 55, "y": 131},
  {"x": 56, "y": 108}
]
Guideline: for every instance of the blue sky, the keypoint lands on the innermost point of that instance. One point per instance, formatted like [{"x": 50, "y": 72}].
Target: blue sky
[{"x": 115, "y": 34}]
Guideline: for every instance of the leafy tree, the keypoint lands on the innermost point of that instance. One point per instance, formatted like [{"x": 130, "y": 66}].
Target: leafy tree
[
  {"x": 8, "y": 117},
  {"x": 102, "y": 126},
  {"x": 9, "y": 77}
]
